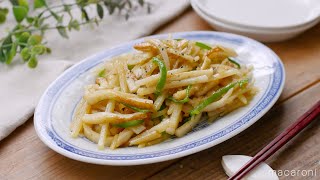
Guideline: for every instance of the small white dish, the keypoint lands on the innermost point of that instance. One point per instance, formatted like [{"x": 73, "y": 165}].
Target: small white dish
[
  {"x": 54, "y": 112},
  {"x": 258, "y": 33}
]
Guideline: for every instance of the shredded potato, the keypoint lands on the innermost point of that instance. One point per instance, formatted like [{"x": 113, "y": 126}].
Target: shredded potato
[{"x": 164, "y": 89}]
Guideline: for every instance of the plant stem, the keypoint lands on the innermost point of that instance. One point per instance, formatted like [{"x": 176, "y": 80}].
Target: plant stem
[
  {"x": 47, "y": 28},
  {"x": 8, "y": 45},
  {"x": 54, "y": 7}
]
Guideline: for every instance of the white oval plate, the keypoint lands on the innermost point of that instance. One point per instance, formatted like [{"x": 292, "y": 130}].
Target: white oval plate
[
  {"x": 267, "y": 14},
  {"x": 55, "y": 110},
  {"x": 260, "y": 34}
]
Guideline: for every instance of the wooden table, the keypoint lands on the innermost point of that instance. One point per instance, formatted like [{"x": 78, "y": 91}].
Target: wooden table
[{"x": 24, "y": 156}]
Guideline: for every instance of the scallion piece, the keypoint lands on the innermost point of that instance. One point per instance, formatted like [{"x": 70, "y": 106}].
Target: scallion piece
[
  {"x": 185, "y": 100},
  {"x": 163, "y": 75},
  {"x": 136, "y": 109},
  {"x": 203, "y": 46},
  {"x": 129, "y": 123},
  {"x": 215, "y": 96},
  {"x": 102, "y": 73},
  {"x": 234, "y": 62}
]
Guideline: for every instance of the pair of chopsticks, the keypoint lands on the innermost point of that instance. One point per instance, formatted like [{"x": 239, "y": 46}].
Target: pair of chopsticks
[{"x": 279, "y": 141}]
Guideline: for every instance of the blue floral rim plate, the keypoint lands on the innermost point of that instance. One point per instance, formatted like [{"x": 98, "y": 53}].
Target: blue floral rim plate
[{"x": 55, "y": 109}]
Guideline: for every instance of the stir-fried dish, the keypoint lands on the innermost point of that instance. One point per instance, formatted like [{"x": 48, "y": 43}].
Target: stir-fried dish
[{"x": 163, "y": 89}]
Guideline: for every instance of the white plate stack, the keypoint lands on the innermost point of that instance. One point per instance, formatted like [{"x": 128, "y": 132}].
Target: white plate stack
[{"x": 263, "y": 20}]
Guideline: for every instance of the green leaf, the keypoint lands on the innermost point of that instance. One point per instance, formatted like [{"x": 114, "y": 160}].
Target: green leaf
[
  {"x": 93, "y": 1},
  {"x": 25, "y": 54},
  {"x": 67, "y": 8},
  {"x": 141, "y": 2},
  {"x": 14, "y": 2},
  {"x": 39, "y": 4},
  {"x": 24, "y": 3},
  {"x": 100, "y": 11},
  {"x": 62, "y": 31},
  {"x": 34, "y": 40},
  {"x": 48, "y": 50},
  {"x": 33, "y": 62},
  {"x": 38, "y": 49},
  {"x": 3, "y": 15},
  {"x": 18, "y": 27},
  {"x": 2, "y": 57},
  {"x": 19, "y": 12},
  {"x": 56, "y": 16},
  {"x": 12, "y": 53},
  {"x": 96, "y": 21},
  {"x": 5, "y": 48},
  {"x": 111, "y": 7},
  {"x": 4, "y": 10},
  {"x": 24, "y": 37},
  {"x": 74, "y": 24},
  {"x": 84, "y": 14},
  {"x": 30, "y": 19}
]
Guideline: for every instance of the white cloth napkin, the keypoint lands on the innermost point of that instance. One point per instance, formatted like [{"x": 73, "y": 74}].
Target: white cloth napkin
[{"x": 21, "y": 87}]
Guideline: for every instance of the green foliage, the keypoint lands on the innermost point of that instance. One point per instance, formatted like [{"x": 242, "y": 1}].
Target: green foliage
[
  {"x": 3, "y": 14},
  {"x": 62, "y": 31},
  {"x": 100, "y": 11},
  {"x": 19, "y": 12},
  {"x": 26, "y": 38},
  {"x": 24, "y": 3},
  {"x": 39, "y": 4}
]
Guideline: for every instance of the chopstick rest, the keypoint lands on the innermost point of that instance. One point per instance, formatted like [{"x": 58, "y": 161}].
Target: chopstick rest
[{"x": 232, "y": 163}]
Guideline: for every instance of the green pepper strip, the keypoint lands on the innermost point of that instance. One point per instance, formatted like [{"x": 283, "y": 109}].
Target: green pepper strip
[
  {"x": 185, "y": 100},
  {"x": 130, "y": 67},
  {"x": 234, "y": 62},
  {"x": 186, "y": 120},
  {"x": 163, "y": 106},
  {"x": 136, "y": 109},
  {"x": 102, "y": 72},
  {"x": 129, "y": 123},
  {"x": 203, "y": 46},
  {"x": 178, "y": 39},
  {"x": 215, "y": 96},
  {"x": 163, "y": 75}
]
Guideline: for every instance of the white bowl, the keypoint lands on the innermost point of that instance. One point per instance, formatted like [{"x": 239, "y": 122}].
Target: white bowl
[{"x": 264, "y": 34}]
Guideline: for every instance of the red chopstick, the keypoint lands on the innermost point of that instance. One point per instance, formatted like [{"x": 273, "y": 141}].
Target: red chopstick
[{"x": 279, "y": 141}]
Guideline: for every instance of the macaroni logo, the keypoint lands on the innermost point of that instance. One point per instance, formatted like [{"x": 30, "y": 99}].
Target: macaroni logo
[{"x": 296, "y": 173}]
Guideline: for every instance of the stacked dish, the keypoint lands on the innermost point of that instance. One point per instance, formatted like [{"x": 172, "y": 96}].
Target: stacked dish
[{"x": 264, "y": 20}]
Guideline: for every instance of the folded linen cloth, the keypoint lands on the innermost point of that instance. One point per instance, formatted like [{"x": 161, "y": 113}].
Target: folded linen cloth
[{"x": 22, "y": 87}]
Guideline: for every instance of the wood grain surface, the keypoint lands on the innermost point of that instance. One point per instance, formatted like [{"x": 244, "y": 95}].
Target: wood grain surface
[{"x": 24, "y": 156}]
